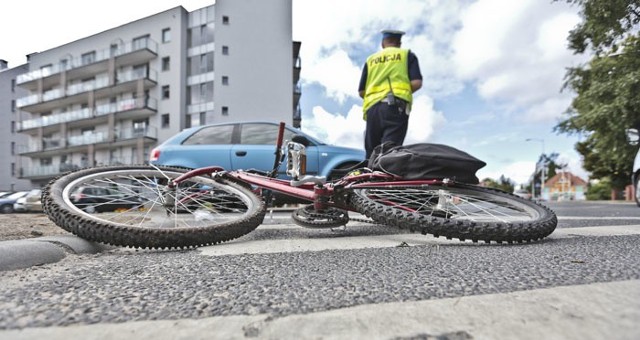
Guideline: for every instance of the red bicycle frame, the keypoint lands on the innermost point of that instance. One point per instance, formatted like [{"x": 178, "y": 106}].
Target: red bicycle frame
[{"x": 320, "y": 194}]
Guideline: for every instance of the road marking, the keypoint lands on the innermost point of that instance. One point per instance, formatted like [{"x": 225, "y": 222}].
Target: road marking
[
  {"x": 572, "y": 218},
  {"x": 240, "y": 246},
  {"x": 592, "y": 311}
]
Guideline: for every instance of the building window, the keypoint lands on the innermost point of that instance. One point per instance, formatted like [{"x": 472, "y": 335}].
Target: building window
[
  {"x": 166, "y": 35},
  {"x": 225, "y": 20},
  {"x": 203, "y": 118},
  {"x": 140, "y": 42},
  {"x": 139, "y": 127},
  {"x": 13, "y": 105},
  {"x": 88, "y": 58},
  {"x": 166, "y": 63},
  {"x": 45, "y": 161},
  {"x": 13, "y": 169},
  {"x": 225, "y": 110},
  {"x": 187, "y": 121},
  {"x": 165, "y": 92},
  {"x": 13, "y": 148},
  {"x": 113, "y": 49},
  {"x": 225, "y": 80},
  {"x": 165, "y": 121},
  {"x": 13, "y": 126},
  {"x": 203, "y": 34},
  {"x": 13, "y": 85},
  {"x": 225, "y": 50}
]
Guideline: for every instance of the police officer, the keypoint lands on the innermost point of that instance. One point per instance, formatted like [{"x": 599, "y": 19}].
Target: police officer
[{"x": 389, "y": 78}]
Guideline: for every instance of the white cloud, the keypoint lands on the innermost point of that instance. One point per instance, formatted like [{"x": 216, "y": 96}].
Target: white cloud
[
  {"x": 516, "y": 52},
  {"x": 336, "y": 129},
  {"x": 424, "y": 120},
  {"x": 336, "y": 73},
  {"x": 519, "y": 172}
]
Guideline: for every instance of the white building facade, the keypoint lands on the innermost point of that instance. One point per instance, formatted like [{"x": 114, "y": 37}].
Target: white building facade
[{"x": 110, "y": 98}]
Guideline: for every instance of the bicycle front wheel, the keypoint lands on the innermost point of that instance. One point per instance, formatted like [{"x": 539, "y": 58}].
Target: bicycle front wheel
[
  {"x": 461, "y": 211},
  {"x": 134, "y": 206}
]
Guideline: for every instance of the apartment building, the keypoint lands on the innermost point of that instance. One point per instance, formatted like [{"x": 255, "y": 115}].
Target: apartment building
[
  {"x": 10, "y": 139},
  {"x": 111, "y": 97}
]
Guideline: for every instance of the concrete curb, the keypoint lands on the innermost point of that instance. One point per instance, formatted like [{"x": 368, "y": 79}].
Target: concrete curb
[
  {"x": 25, "y": 253},
  {"x": 21, "y": 254}
]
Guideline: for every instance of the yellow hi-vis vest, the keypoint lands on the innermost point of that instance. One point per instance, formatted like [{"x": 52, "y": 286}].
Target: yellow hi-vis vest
[{"x": 388, "y": 67}]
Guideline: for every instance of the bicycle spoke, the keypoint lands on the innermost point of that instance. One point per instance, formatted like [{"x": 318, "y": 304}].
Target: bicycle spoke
[{"x": 453, "y": 205}]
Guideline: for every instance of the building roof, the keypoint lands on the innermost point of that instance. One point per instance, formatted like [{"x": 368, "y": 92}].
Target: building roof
[{"x": 573, "y": 179}]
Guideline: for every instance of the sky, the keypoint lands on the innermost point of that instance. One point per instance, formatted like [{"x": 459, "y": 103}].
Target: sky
[{"x": 492, "y": 70}]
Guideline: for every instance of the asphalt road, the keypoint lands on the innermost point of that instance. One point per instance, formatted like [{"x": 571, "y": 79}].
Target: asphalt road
[{"x": 368, "y": 281}]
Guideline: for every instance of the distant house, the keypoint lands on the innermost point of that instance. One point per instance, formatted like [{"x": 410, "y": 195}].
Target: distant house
[{"x": 565, "y": 186}]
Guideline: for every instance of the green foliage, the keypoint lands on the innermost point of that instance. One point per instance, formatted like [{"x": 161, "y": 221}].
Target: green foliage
[
  {"x": 599, "y": 191},
  {"x": 607, "y": 89},
  {"x": 503, "y": 183},
  {"x": 606, "y": 23}
]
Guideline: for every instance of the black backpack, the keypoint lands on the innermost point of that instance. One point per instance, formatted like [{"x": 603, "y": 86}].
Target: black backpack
[{"x": 425, "y": 161}]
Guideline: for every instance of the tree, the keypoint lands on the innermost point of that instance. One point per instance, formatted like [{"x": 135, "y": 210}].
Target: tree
[
  {"x": 503, "y": 183},
  {"x": 607, "y": 89}
]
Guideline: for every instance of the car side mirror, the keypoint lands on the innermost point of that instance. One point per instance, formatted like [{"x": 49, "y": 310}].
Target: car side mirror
[{"x": 633, "y": 136}]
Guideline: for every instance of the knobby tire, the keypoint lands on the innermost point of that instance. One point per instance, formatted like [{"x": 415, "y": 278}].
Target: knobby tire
[
  {"x": 465, "y": 212},
  {"x": 202, "y": 210}
]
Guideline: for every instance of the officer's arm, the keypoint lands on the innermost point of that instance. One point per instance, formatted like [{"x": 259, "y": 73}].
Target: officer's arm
[
  {"x": 363, "y": 81},
  {"x": 416, "y": 84}
]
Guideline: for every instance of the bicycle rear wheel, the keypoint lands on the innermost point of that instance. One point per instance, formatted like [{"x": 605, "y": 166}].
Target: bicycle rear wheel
[
  {"x": 133, "y": 206},
  {"x": 460, "y": 211}
]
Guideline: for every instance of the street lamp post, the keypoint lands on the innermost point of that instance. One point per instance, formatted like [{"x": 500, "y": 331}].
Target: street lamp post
[{"x": 544, "y": 166}]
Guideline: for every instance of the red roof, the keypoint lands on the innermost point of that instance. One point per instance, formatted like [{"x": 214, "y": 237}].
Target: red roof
[{"x": 573, "y": 179}]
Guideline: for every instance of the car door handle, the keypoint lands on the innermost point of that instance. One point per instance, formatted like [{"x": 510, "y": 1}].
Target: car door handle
[{"x": 241, "y": 153}]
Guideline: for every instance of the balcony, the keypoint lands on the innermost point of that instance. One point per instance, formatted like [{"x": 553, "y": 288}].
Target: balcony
[
  {"x": 100, "y": 139},
  {"x": 77, "y": 93},
  {"x": 50, "y": 171},
  {"x": 132, "y": 53},
  {"x": 124, "y": 109}
]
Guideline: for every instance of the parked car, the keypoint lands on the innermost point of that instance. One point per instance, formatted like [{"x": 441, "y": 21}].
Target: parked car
[
  {"x": 7, "y": 202},
  {"x": 96, "y": 199},
  {"x": 249, "y": 145},
  {"x": 522, "y": 193},
  {"x": 19, "y": 205},
  {"x": 29, "y": 203},
  {"x": 32, "y": 201}
]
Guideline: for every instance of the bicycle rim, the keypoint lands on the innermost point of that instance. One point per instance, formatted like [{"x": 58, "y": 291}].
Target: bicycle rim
[
  {"x": 456, "y": 211},
  {"x": 141, "y": 210}
]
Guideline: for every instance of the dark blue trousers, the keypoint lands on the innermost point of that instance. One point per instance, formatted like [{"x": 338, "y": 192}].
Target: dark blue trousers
[{"x": 385, "y": 123}]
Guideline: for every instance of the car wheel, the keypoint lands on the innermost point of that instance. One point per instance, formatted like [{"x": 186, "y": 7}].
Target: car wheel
[{"x": 6, "y": 209}]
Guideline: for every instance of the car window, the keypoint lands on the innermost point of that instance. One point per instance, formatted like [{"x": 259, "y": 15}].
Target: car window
[
  {"x": 262, "y": 134},
  {"x": 16, "y": 195},
  {"x": 211, "y": 135}
]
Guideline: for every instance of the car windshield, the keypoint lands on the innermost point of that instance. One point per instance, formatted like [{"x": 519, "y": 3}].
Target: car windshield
[{"x": 16, "y": 195}]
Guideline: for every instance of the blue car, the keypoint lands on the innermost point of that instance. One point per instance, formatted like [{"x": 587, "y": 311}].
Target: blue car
[
  {"x": 249, "y": 145},
  {"x": 7, "y": 202}
]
